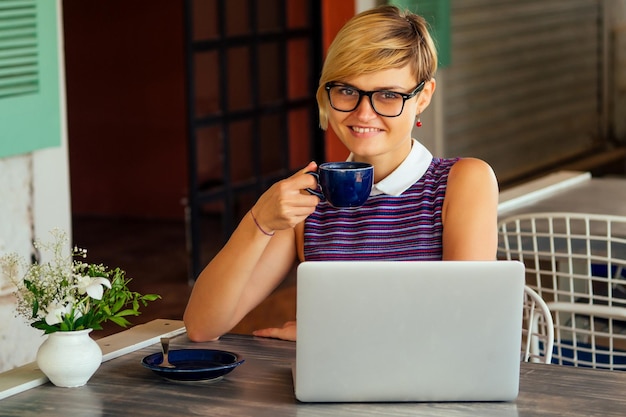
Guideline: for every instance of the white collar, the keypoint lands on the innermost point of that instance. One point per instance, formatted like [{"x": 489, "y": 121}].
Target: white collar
[{"x": 406, "y": 174}]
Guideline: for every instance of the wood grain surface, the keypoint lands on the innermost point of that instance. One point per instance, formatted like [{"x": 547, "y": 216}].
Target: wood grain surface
[{"x": 263, "y": 386}]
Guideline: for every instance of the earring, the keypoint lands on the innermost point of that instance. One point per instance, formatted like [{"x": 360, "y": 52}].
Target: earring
[{"x": 418, "y": 123}]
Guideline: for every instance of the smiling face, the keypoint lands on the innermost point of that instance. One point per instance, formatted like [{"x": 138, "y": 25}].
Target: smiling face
[
  {"x": 383, "y": 48},
  {"x": 381, "y": 141}
]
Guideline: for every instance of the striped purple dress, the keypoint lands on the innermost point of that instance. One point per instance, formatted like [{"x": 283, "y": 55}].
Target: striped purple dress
[{"x": 403, "y": 228}]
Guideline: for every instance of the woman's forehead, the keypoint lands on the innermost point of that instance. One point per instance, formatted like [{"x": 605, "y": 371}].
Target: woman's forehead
[{"x": 387, "y": 79}]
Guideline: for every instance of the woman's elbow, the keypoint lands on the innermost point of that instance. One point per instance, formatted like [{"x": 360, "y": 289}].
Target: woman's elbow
[{"x": 197, "y": 331}]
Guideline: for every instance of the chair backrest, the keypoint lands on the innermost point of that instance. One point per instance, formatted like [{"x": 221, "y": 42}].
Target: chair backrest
[
  {"x": 537, "y": 330},
  {"x": 576, "y": 263}
]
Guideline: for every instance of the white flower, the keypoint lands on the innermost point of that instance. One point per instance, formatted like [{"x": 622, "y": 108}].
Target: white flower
[
  {"x": 56, "y": 311},
  {"x": 65, "y": 289},
  {"x": 93, "y": 286}
]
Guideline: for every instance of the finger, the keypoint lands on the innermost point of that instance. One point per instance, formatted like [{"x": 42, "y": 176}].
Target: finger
[
  {"x": 268, "y": 332},
  {"x": 311, "y": 166},
  {"x": 287, "y": 332},
  {"x": 303, "y": 181}
]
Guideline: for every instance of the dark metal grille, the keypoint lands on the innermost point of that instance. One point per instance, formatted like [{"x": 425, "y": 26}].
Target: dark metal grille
[{"x": 252, "y": 69}]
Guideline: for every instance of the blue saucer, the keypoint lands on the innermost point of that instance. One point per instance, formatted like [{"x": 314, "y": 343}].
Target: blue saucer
[{"x": 193, "y": 364}]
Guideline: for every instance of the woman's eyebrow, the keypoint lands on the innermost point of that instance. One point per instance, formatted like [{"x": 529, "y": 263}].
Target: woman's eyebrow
[{"x": 381, "y": 88}]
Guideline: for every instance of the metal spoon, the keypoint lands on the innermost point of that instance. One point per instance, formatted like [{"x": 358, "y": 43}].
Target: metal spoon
[{"x": 165, "y": 347}]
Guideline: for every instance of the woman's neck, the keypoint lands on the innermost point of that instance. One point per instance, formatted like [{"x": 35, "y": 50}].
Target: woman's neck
[{"x": 386, "y": 163}]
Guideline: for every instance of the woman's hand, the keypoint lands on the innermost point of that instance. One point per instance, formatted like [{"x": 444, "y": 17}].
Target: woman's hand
[
  {"x": 287, "y": 332},
  {"x": 254, "y": 261},
  {"x": 286, "y": 203}
]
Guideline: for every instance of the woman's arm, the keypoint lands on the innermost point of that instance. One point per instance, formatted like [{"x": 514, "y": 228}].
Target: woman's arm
[
  {"x": 470, "y": 212},
  {"x": 252, "y": 263}
]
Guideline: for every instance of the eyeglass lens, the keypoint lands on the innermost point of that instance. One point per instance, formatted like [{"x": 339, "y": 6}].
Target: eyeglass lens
[{"x": 385, "y": 103}]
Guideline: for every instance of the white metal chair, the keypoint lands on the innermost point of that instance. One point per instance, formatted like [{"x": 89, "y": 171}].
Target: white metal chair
[
  {"x": 537, "y": 330},
  {"x": 577, "y": 264}
]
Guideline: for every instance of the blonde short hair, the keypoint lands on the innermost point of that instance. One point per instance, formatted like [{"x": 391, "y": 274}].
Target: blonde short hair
[{"x": 380, "y": 38}]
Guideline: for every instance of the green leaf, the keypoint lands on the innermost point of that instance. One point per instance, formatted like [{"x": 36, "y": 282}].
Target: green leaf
[
  {"x": 127, "y": 312},
  {"x": 151, "y": 297},
  {"x": 42, "y": 325},
  {"x": 118, "y": 305},
  {"x": 54, "y": 281},
  {"x": 120, "y": 321}
]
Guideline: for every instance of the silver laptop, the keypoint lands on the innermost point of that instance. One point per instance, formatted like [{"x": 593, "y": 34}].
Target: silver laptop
[{"x": 408, "y": 331}]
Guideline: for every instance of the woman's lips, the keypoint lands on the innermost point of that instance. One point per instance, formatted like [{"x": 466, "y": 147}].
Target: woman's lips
[{"x": 359, "y": 129}]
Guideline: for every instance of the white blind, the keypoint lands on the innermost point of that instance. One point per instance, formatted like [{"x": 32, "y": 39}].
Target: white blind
[
  {"x": 523, "y": 89},
  {"x": 18, "y": 48}
]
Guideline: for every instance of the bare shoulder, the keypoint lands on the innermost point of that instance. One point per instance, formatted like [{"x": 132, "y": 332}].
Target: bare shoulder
[
  {"x": 470, "y": 211},
  {"x": 471, "y": 172}
]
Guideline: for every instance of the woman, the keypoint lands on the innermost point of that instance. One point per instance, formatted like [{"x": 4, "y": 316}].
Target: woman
[{"x": 376, "y": 81}]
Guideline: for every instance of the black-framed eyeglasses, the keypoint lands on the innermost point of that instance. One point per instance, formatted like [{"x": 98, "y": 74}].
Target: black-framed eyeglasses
[{"x": 346, "y": 98}]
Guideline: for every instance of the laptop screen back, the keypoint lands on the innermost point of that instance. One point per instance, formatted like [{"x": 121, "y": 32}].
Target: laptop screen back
[{"x": 408, "y": 331}]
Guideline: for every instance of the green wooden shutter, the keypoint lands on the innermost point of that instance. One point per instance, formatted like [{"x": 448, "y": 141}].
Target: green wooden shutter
[
  {"x": 437, "y": 14},
  {"x": 30, "y": 116}
]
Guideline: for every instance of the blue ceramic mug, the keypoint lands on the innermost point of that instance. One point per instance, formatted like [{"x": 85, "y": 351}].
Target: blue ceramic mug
[{"x": 343, "y": 184}]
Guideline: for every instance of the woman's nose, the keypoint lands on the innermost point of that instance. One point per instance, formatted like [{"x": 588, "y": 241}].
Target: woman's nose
[{"x": 365, "y": 110}]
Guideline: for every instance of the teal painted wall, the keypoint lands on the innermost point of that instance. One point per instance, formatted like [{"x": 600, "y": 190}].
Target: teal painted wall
[
  {"x": 437, "y": 14},
  {"x": 30, "y": 108}
]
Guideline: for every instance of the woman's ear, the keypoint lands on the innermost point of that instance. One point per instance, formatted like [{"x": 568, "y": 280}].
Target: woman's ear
[{"x": 423, "y": 99}]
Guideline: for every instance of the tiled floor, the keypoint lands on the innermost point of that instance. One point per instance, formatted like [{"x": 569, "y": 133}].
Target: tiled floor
[{"x": 154, "y": 255}]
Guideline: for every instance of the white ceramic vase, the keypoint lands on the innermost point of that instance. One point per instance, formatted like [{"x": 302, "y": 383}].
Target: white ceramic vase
[{"x": 69, "y": 359}]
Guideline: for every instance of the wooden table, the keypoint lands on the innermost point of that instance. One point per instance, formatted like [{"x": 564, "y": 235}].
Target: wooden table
[{"x": 263, "y": 386}]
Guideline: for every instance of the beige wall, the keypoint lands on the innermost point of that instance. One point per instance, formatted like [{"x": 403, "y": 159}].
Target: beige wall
[{"x": 616, "y": 17}]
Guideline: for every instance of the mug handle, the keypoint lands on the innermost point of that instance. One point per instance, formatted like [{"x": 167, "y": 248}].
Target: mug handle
[{"x": 315, "y": 192}]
